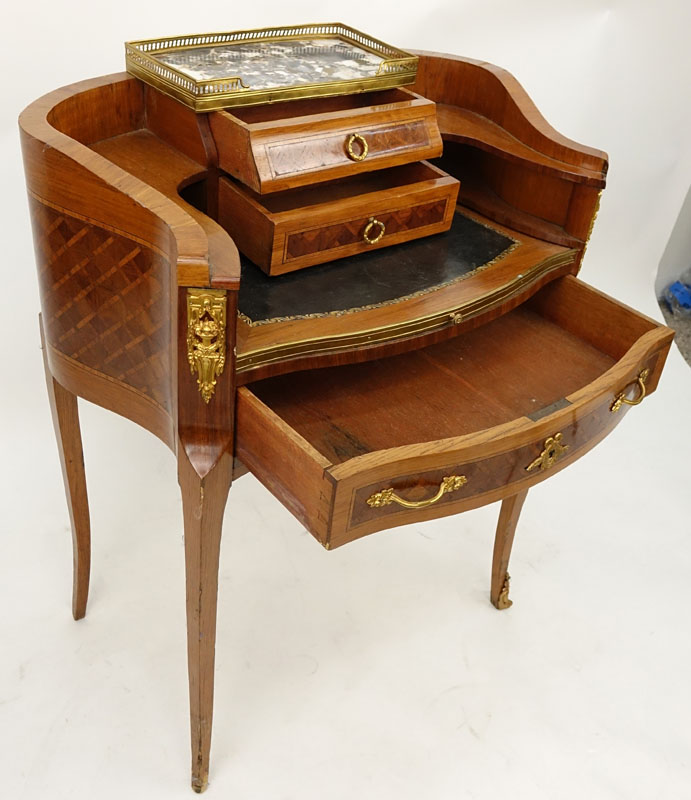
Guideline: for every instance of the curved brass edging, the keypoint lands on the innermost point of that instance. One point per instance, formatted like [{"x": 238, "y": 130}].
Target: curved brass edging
[
  {"x": 397, "y": 68},
  {"x": 389, "y": 333}
]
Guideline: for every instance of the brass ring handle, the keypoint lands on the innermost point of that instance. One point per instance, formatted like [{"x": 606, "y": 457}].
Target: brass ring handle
[
  {"x": 373, "y": 223},
  {"x": 388, "y": 496},
  {"x": 364, "y": 147},
  {"x": 621, "y": 399}
]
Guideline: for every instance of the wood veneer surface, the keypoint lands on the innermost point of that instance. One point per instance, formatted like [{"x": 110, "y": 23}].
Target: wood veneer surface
[
  {"x": 511, "y": 367},
  {"x": 269, "y": 112},
  {"x": 346, "y": 188},
  {"x": 459, "y": 124}
]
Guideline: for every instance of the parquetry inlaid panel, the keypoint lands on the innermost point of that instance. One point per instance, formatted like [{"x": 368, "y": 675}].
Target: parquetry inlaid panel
[
  {"x": 105, "y": 300},
  {"x": 343, "y": 233}
]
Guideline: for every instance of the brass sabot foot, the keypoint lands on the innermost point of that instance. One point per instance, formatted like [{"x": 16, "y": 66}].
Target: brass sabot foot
[{"x": 503, "y": 599}]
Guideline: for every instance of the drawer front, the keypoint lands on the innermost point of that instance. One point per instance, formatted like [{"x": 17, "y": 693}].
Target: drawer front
[
  {"x": 384, "y": 144},
  {"x": 364, "y": 435},
  {"x": 567, "y": 432},
  {"x": 357, "y": 225},
  {"x": 521, "y": 465},
  {"x": 287, "y": 153},
  {"x": 368, "y": 226},
  {"x": 327, "y": 227}
]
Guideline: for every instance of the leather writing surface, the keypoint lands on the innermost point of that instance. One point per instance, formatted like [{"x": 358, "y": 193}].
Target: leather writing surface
[{"x": 372, "y": 279}]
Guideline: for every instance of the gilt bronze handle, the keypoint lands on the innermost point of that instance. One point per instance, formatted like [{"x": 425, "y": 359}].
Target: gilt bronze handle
[
  {"x": 364, "y": 147},
  {"x": 621, "y": 399},
  {"x": 388, "y": 496},
  {"x": 371, "y": 224}
]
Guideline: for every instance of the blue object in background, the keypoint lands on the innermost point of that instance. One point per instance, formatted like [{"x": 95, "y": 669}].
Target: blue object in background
[{"x": 678, "y": 297}]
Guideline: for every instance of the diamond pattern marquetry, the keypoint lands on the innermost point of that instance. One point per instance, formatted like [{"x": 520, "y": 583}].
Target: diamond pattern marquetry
[
  {"x": 104, "y": 299},
  {"x": 351, "y": 232}
]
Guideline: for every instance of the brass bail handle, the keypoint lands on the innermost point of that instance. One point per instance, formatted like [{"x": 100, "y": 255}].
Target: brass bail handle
[
  {"x": 371, "y": 225},
  {"x": 350, "y": 151},
  {"x": 388, "y": 496},
  {"x": 621, "y": 399}
]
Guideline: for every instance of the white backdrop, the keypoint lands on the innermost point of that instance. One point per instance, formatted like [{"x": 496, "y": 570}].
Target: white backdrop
[{"x": 380, "y": 670}]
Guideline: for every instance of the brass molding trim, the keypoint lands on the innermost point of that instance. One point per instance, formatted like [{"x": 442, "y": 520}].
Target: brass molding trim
[
  {"x": 592, "y": 221},
  {"x": 387, "y": 333},
  {"x": 621, "y": 399},
  {"x": 387, "y": 496},
  {"x": 206, "y": 337},
  {"x": 552, "y": 452}
]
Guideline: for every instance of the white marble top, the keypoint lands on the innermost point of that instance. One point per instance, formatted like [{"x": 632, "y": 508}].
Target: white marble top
[{"x": 267, "y": 65}]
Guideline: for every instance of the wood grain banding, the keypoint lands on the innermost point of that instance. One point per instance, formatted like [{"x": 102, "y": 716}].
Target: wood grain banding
[{"x": 332, "y": 237}]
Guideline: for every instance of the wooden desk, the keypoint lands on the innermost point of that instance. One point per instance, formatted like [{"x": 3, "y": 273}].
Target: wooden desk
[{"x": 400, "y": 386}]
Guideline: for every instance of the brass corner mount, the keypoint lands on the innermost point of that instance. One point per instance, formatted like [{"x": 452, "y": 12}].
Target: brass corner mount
[{"x": 206, "y": 337}]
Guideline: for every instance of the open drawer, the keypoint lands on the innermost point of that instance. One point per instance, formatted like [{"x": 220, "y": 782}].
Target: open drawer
[
  {"x": 354, "y": 449},
  {"x": 284, "y": 145}
]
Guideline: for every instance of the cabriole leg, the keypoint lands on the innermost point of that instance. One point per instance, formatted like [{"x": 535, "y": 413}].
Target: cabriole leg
[
  {"x": 506, "y": 528},
  {"x": 65, "y": 413},
  {"x": 203, "y": 502}
]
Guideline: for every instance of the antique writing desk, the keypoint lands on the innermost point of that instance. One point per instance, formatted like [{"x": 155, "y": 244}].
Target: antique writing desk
[{"x": 387, "y": 387}]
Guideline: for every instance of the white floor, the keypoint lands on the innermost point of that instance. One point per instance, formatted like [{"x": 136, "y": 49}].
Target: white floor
[{"x": 379, "y": 670}]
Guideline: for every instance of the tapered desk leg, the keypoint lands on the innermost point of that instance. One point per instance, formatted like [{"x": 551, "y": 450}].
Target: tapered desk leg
[
  {"x": 65, "y": 413},
  {"x": 506, "y": 528},
  {"x": 203, "y": 502}
]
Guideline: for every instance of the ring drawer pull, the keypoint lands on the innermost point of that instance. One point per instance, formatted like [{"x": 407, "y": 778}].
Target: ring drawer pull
[
  {"x": 553, "y": 450},
  {"x": 388, "y": 496},
  {"x": 371, "y": 224},
  {"x": 364, "y": 147},
  {"x": 622, "y": 399}
]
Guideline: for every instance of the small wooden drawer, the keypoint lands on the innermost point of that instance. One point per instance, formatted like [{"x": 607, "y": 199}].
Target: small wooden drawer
[
  {"x": 355, "y": 449},
  {"x": 303, "y": 227},
  {"x": 284, "y": 145}
]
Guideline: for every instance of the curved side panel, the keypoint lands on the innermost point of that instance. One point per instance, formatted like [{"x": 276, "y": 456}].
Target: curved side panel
[
  {"x": 494, "y": 93},
  {"x": 107, "y": 258},
  {"x": 529, "y": 176},
  {"x": 106, "y": 300}
]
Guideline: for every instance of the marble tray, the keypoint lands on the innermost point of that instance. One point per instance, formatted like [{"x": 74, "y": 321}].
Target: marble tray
[{"x": 218, "y": 70}]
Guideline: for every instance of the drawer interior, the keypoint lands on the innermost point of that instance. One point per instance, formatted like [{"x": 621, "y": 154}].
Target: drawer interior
[
  {"x": 270, "y": 112},
  {"x": 348, "y": 188},
  {"x": 523, "y": 364}
]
